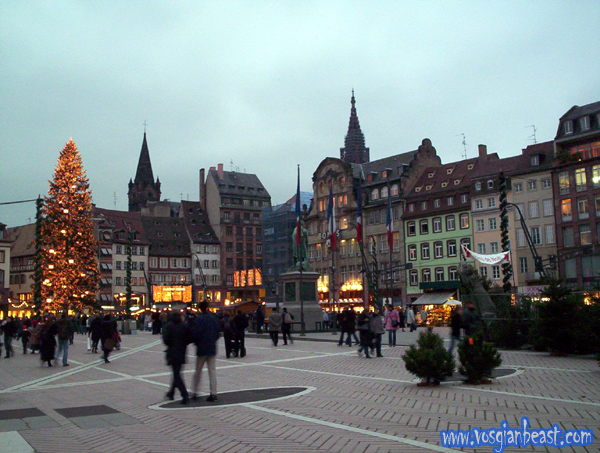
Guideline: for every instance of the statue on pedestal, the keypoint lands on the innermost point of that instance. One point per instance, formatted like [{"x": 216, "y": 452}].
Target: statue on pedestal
[{"x": 300, "y": 250}]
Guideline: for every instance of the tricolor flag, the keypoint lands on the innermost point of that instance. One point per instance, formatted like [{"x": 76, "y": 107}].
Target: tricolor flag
[
  {"x": 359, "y": 233},
  {"x": 389, "y": 224},
  {"x": 331, "y": 222},
  {"x": 298, "y": 210}
]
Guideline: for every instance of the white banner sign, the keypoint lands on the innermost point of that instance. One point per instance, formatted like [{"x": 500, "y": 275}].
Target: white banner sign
[{"x": 486, "y": 259}]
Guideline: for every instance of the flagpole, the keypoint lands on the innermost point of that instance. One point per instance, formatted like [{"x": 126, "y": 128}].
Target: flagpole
[{"x": 301, "y": 259}]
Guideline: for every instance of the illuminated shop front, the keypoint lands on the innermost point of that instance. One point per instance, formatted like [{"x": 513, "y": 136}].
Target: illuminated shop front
[
  {"x": 172, "y": 293},
  {"x": 351, "y": 294},
  {"x": 246, "y": 285}
]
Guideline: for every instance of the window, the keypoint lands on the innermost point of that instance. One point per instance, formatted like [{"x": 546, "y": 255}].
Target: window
[
  {"x": 546, "y": 184},
  {"x": 438, "y": 249},
  {"x": 374, "y": 194},
  {"x": 450, "y": 223},
  {"x": 450, "y": 201},
  {"x": 479, "y": 225},
  {"x": 464, "y": 198},
  {"x": 437, "y": 224},
  {"x": 424, "y": 226},
  {"x": 451, "y": 246},
  {"x": 518, "y": 187},
  {"x": 134, "y": 266},
  {"x": 531, "y": 185},
  {"x": 520, "y": 238},
  {"x": 550, "y": 239},
  {"x": 164, "y": 263},
  {"x": 394, "y": 190},
  {"x": 492, "y": 224},
  {"x": 153, "y": 262},
  {"x": 585, "y": 234},
  {"x": 598, "y": 206},
  {"x": 479, "y": 203},
  {"x": 439, "y": 274},
  {"x": 411, "y": 207},
  {"x": 118, "y": 281},
  {"x": 464, "y": 221},
  {"x": 568, "y": 237},
  {"x": 437, "y": 202},
  {"x": 491, "y": 202},
  {"x": 477, "y": 186},
  {"x": 425, "y": 251},
  {"x": 494, "y": 248},
  {"x": 384, "y": 193},
  {"x": 533, "y": 210},
  {"x": 481, "y": 249},
  {"x": 412, "y": 252},
  {"x": 596, "y": 175},
  {"x": 119, "y": 250},
  {"x": 583, "y": 208},
  {"x": 453, "y": 273},
  {"x": 414, "y": 277},
  {"x": 490, "y": 184},
  {"x": 564, "y": 182},
  {"x": 548, "y": 208},
  {"x": 141, "y": 281},
  {"x": 423, "y": 206},
  {"x": 565, "y": 206},
  {"x": 535, "y": 160},
  {"x": 523, "y": 265},
  {"x": 483, "y": 271},
  {"x": 411, "y": 228},
  {"x": 584, "y": 123},
  {"x": 426, "y": 275},
  {"x": 568, "y": 127},
  {"x": 496, "y": 272},
  {"x": 536, "y": 235},
  {"x": 580, "y": 180}
]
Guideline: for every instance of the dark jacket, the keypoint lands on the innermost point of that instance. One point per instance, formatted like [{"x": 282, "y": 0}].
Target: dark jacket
[
  {"x": 176, "y": 335},
  {"x": 455, "y": 324},
  {"x": 65, "y": 328},
  {"x": 205, "y": 334},
  {"x": 240, "y": 324},
  {"x": 108, "y": 328}
]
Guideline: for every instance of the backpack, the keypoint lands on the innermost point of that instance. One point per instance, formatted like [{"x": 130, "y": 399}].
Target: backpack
[{"x": 287, "y": 318}]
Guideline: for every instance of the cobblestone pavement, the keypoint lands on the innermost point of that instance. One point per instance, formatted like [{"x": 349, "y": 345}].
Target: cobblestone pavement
[{"x": 309, "y": 396}]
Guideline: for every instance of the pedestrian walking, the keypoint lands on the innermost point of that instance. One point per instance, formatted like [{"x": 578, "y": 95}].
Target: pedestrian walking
[
  {"x": 64, "y": 328},
  {"x": 259, "y": 317},
  {"x": 376, "y": 327},
  {"x": 95, "y": 329},
  {"x": 176, "y": 336},
  {"x": 9, "y": 328},
  {"x": 228, "y": 335},
  {"x": 364, "y": 331},
  {"x": 108, "y": 336},
  {"x": 391, "y": 322},
  {"x": 205, "y": 334},
  {"x": 275, "y": 322},
  {"x": 47, "y": 340},
  {"x": 402, "y": 317},
  {"x": 240, "y": 324},
  {"x": 286, "y": 326},
  {"x": 25, "y": 335},
  {"x": 410, "y": 319}
]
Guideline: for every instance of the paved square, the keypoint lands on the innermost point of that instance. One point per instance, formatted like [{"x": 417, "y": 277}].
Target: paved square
[{"x": 310, "y": 396}]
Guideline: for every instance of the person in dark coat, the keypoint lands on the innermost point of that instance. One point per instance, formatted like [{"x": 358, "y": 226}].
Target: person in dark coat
[
  {"x": 205, "y": 334},
  {"x": 108, "y": 329},
  {"x": 364, "y": 329},
  {"x": 455, "y": 326},
  {"x": 176, "y": 337},
  {"x": 259, "y": 316},
  {"x": 47, "y": 340},
  {"x": 95, "y": 327},
  {"x": 9, "y": 328},
  {"x": 228, "y": 335},
  {"x": 240, "y": 324}
]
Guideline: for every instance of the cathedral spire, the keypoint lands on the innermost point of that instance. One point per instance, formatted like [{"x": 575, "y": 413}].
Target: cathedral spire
[
  {"x": 143, "y": 188},
  {"x": 354, "y": 150}
]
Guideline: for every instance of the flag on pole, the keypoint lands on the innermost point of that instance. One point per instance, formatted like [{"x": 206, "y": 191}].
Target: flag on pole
[
  {"x": 359, "y": 233},
  {"x": 298, "y": 210},
  {"x": 331, "y": 222},
  {"x": 389, "y": 223}
]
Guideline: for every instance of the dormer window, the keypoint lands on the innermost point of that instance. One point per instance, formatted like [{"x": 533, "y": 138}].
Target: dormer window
[
  {"x": 490, "y": 184},
  {"x": 418, "y": 189},
  {"x": 384, "y": 174},
  {"x": 470, "y": 167},
  {"x": 430, "y": 175},
  {"x": 456, "y": 182},
  {"x": 535, "y": 160},
  {"x": 445, "y": 183},
  {"x": 568, "y": 127},
  {"x": 477, "y": 186},
  {"x": 584, "y": 123},
  {"x": 449, "y": 171},
  {"x": 423, "y": 206},
  {"x": 428, "y": 187}
]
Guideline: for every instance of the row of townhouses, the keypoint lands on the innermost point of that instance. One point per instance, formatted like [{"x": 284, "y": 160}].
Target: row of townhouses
[{"x": 232, "y": 245}]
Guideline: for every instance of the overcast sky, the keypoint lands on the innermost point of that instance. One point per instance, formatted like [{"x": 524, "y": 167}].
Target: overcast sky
[{"x": 262, "y": 86}]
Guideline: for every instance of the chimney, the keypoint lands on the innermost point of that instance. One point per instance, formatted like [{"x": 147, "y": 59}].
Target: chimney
[
  {"x": 220, "y": 171},
  {"x": 482, "y": 152},
  {"x": 202, "y": 190}
]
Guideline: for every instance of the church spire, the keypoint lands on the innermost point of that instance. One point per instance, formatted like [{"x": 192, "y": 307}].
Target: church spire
[
  {"x": 354, "y": 150},
  {"x": 143, "y": 188}
]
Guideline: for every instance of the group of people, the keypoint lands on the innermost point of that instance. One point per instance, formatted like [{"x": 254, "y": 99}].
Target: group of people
[
  {"x": 467, "y": 321},
  {"x": 51, "y": 336}
]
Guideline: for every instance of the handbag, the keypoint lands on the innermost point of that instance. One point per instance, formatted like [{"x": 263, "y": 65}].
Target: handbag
[
  {"x": 394, "y": 323},
  {"x": 109, "y": 344}
]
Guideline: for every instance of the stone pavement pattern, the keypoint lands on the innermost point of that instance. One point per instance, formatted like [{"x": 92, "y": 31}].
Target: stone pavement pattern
[{"x": 339, "y": 402}]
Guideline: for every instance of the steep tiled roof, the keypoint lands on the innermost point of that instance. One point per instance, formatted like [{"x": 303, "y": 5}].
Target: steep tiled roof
[
  {"x": 396, "y": 163},
  {"x": 235, "y": 183},
  {"x": 197, "y": 224},
  {"x": 167, "y": 236},
  {"x": 121, "y": 221},
  {"x": 144, "y": 169},
  {"x": 22, "y": 240},
  {"x": 574, "y": 114}
]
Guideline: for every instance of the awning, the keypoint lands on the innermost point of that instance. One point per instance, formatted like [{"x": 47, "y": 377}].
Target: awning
[{"x": 437, "y": 298}]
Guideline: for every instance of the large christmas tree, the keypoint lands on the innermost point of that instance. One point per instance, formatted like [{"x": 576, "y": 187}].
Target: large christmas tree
[{"x": 70, "y": 272}]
